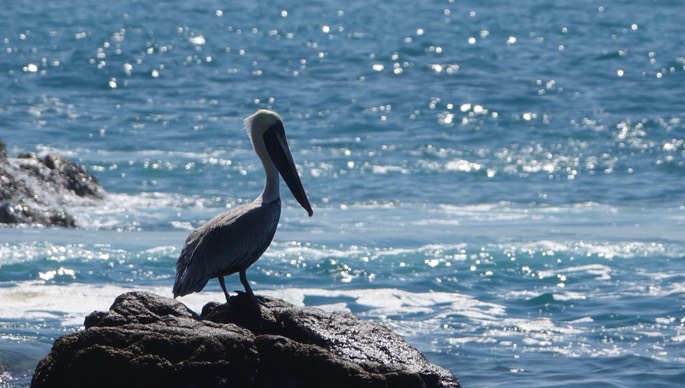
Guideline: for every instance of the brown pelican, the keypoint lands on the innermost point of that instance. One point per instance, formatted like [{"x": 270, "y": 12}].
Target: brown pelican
[{"x": 232, "y": 241}]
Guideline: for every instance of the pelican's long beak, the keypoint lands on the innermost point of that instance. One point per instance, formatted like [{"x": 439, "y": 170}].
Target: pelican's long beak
[{"x": 277, "y": 147}]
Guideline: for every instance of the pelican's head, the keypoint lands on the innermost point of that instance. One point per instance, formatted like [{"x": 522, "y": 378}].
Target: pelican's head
[{"x": 267, "y": 134}]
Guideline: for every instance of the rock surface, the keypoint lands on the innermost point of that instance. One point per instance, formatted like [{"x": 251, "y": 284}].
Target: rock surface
[
  {"x": 147, "y": 340},
  {"x": 34, "y": 191}
]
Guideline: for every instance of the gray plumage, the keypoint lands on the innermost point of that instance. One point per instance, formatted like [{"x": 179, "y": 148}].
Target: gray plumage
[{"x": 226, "y": 244}]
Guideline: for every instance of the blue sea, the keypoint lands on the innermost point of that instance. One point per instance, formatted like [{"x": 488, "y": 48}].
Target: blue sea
[{"x": 502, "y": 183}]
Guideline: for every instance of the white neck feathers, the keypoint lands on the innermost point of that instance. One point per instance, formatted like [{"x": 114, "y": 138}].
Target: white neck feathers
[{"x": 256, "y": 125}]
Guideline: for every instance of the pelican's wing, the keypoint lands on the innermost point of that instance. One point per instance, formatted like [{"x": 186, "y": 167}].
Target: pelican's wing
[{"x": 226, "y": 244}]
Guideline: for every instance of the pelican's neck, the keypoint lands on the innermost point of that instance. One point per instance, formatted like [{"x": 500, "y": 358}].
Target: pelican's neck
[
  {"x": 256, "y": 125},
  {"x": 271, "y": 190}
]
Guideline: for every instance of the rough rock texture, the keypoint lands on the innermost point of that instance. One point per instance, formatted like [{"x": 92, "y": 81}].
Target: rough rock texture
[
  {"x": 35, "y": 191},
  {"x": 146, "y": 340},
  {"x": 3, "y": 151}
]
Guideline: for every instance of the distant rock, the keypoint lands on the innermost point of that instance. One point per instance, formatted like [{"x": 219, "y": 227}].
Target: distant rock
[
  {"x": 37, "y": 191},
  {"x": 147, "y": 340},
  {"x": 3, "y": 151}
]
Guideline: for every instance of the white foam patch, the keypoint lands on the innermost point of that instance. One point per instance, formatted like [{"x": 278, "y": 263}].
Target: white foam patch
[
  {"x": 69, "y": 304},
  {"x": 599, "y": 271},
  {"x": 385, "y": 302},
  {"x": 567, "y": 296},
  {"x": 382, "y": 170},
  {"x": 126, "y": 211}
]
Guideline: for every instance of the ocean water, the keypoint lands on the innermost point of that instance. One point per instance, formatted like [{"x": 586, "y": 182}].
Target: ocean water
[{"x": 500, "y": 182}]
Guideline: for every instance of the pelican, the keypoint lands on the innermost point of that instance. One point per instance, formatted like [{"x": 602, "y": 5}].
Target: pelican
[{"x": 233, "y": 240}]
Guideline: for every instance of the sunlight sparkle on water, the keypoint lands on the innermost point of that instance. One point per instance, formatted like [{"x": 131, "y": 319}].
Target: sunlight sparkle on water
[
  {"x": 31, "y": 68},
  {"x": 197, "y": 40},
  {"x": 61, "y": 271}
]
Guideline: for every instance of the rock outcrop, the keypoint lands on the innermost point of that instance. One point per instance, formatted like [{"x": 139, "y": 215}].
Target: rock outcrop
[
  {"x": 147, "y": 340},
  {"x": 35, "y": 191}
]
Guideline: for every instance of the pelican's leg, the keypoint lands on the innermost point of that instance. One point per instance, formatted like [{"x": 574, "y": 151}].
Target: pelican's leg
[
  {"x": 223, "y": 286},
  {"x": 246, "y": 284},
  {"x": 254, "y": 312}
]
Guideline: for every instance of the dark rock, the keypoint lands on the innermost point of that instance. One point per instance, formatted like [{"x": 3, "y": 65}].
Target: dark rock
[
  {"x": 147, "y": 340},
  {"x": 12, "y": 213},
  {"x": 3, "y": 151},
  {"x": 36, "y": 191},
  {"x": 72, "y": 177}
]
